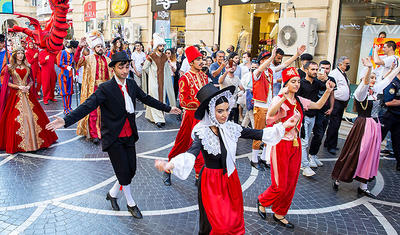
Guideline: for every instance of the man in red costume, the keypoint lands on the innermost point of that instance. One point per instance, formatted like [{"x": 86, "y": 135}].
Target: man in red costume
[
  {"x": 32, "y": 55},
  {"x": 48, "y": 75},
  {"x": 189, "y": 84}
]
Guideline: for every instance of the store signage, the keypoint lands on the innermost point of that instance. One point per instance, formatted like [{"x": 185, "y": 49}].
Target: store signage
[
  {"x": 163, "y": 15},
  {"x": 166, "y": 3},
  {"x": 89, "y": 11},
  {"x": 160, "y": 5},
  {"x": 350, "y": 26},
  {"x": 120, "y": 8},
  {"x": 43, "y": 8},
  {"x": 238, "y": 2},
  {"x": 6, "y": 7}
]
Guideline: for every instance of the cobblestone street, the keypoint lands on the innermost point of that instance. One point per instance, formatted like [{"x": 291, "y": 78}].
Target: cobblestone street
[{"x": 62, "y": 190}]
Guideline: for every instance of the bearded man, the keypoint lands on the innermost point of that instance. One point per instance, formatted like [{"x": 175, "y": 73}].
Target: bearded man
[{"x": 95, "y": 72}]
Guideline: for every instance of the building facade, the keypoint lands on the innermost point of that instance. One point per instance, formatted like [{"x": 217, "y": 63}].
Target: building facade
[{"x": 344, "y": 27}]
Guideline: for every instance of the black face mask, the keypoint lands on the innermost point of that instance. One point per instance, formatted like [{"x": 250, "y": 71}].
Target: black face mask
[{"x": 347, "y": 68}]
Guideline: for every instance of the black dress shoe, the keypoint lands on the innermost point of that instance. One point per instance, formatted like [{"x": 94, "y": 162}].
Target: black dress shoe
[
  {"x": 167, "y": 178},
  {"x": 398, "y": 166},
  {"x": 335, "y": 186},
  {"x": 257, "y": 166},
  {"x": 362, "y": 192},
  {"x": 332, "y": 151},
  {"x": 163, "y": 124},
  {"x": 196, "y": 182},
  {"x": 134, "y": 210},
  {"x": 263, "y": 215},
  {"x": 113, "y": 200},
  {"x": 96, "y": 141},
  {"x": 264, "y": 163},
  {"x": 158, "y": 124},
  {"x": 288, "y": 225}
]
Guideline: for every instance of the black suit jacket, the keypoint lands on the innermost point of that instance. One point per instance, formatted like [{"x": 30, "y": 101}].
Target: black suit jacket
[{"x": 113, "y": 113}]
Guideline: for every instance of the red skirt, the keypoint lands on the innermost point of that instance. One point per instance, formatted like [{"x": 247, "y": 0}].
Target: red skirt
[
  {"x": 22, "y": 125},
  {"x": 220, "y": 203}
]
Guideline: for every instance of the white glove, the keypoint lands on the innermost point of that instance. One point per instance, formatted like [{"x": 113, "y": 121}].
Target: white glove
[{"x": 69, "y": 68}]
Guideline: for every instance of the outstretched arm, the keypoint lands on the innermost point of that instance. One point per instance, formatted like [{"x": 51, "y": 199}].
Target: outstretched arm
[
  {"x": 288, "y": 62},
  {"x": 320, "y": 103},
  {"x": 181, "y": 165},
  {"x": 150, "y": 101},
  {"x": 97, "y": 98}
]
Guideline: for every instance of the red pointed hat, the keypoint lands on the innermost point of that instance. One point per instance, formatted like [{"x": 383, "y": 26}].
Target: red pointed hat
[
  {"x": 192, "y": 53},
  {"x": 289, "y": 73}
]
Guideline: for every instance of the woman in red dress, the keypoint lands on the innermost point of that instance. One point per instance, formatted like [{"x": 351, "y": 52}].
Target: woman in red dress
[
  {"x": 286, "y": 155},
  {"x": 22, "y": 119},
  {"x": 219, "y": 189}
]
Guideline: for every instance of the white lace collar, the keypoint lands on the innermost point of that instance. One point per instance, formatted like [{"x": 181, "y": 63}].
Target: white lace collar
[{"x": 211, "y": 142}]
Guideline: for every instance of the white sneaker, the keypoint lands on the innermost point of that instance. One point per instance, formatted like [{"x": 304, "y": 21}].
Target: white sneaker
[
  {"x": 313, "y": 164},
  {"x": 316, "y": 160},
  {"x": 308, "y": 172}
]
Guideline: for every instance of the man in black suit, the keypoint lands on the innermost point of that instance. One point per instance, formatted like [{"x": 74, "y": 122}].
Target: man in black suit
[{"x": 117, "y": 99}]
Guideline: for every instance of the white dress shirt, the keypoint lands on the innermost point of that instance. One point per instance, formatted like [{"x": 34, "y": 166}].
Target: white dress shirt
[{"x": 343, "y": 90}]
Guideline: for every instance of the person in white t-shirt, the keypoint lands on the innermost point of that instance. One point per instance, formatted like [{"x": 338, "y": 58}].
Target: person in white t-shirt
[
  {"x": 384, "y": 62},
  {"x": 230, "y": 79},
  {"x": 138, "y": 59}
]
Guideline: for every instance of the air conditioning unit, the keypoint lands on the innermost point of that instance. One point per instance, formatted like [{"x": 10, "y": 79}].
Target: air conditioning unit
[
  {"x": 132, "y": 33},
  {"x": 294, "y": 32}
]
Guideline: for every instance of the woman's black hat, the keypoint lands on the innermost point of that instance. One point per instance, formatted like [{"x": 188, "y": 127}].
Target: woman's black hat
[
  {"x": 119, "y": 57},
  {"x": 205, "y": 94},
  {"x": 116, "y": 39}
]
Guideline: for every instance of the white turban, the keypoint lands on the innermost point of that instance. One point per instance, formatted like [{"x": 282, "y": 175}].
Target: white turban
[{"x": 157, "y": 40}]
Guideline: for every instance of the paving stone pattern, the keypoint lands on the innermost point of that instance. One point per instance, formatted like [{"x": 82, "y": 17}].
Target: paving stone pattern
[{"x": 62, "y": 189}]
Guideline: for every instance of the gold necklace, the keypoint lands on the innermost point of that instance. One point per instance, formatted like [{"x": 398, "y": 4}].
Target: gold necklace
[{"x": 364, "y": 107}]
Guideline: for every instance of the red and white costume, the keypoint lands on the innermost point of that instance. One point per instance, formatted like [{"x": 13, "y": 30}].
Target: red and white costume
[
  {"x": 189, "y": 84},
  {"x": 286, "y": 155}
]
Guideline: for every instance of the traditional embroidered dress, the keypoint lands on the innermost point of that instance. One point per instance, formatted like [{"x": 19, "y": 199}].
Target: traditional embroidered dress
[
  {"x": 95, "y": 72},
  {"x": 359, "y": 158},
  {"x": 220, "y": 192},
  {"x": 22, "y": 125},
  {"x": 189, "y": 84},
  {"x": 285, "y": 158},
  {"x": 65, "y": 59}
]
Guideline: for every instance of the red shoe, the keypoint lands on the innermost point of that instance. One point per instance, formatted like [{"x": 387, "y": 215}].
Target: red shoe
[
  {"x": 54, "y": 100},
  {"x": 46, "y": 102}
]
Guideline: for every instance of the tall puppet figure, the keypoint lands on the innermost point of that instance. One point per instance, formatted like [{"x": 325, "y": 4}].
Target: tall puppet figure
[
  {"x": 189, "y": 85},
  {"x": 159, "y": 80},
  {"x": 65, "y": 61},
  {"x": 50, "y": 39},
  {"x": 95, "y": 72}
]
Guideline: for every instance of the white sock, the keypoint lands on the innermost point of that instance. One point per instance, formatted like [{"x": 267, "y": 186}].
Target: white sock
[
  {"x": 265, "y": 155},
  {"x": 254, "y": 155},
  {"x": 363, "y": 186},
  {"x": 128, "y": 195},
  {"x": 115, "y": 189}
]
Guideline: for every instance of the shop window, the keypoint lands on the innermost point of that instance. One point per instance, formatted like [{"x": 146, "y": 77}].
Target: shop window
[
  {"x": 360, "y": 23},
  {"x": 248, "y": 27}
]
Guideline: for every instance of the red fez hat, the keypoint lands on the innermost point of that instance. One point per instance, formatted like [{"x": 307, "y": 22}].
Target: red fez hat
[
  {"x": 192, "y": 53},
  {"x": 288, "y": 74}
]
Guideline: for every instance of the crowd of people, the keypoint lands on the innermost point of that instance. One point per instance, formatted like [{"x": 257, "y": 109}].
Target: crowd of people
[{"x": 224, "y": 96}]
